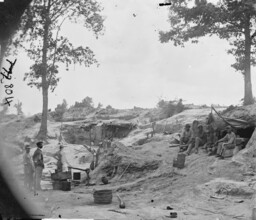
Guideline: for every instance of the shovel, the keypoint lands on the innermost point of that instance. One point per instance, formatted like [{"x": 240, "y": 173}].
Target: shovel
[{"x": 121, "y": 202}]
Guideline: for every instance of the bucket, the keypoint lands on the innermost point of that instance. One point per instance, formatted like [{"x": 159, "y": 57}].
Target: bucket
[
  {"x": 180, "y": 161},
  {"x": 103, "y": 196},
  {"x": 77, "y": 176}
]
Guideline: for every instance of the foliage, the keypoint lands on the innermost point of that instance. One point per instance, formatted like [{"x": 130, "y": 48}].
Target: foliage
[
  {"x": 100, "y": 105},
  {"x": 169, "y": 108},
  {"x": 229, "y": 19},
  {"x": 40, "y": 36},
  {"x": 60, "y": 110},
  {"x": 60, "y": 50},
  {"x": 87, "y": 103},
  {"x": 111, "y": 110}
]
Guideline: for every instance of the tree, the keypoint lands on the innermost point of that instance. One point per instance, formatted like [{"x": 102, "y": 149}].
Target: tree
[
  {"x": 232, "y": 20},
  {"x": 161, "y": 103},
  {"x": 87, "y": 103},
  {"x": 60, "y": 110},
  {"x": 18, "y": 107},
  {"x": 100, "y": 105},
  {"x": 40, "y": 29}
]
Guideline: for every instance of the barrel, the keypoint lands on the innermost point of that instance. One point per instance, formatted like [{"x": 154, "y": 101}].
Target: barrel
[
  {"x": 103, "y": 196},
  {"x": 65, "y": 185}
]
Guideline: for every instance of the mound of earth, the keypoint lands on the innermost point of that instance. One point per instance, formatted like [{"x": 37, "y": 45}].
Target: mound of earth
[
  {"x": 228, "y": 187},
  {"x": 247, "y": 113},
  {"x": 177, "y": 122},
  {"x": 121, "y": 162}
]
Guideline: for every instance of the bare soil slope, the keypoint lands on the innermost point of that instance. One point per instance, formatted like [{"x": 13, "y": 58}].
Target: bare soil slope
[{"x": 206, "y": 189}]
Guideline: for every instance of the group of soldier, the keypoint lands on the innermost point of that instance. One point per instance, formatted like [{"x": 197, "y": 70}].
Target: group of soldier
[
  {"x": 195, "y": 136},
  {"x": 33, "y": 166}
]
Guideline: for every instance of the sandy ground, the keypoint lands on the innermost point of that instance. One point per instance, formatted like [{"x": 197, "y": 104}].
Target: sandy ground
[
  {"x": 189, "y": 191},
  {"x": 148, "y": 197}
]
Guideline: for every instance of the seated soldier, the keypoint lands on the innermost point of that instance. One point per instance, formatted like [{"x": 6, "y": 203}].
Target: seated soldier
[
  {"x": 228, "y": 142},
  {"x": 209, "y": 142},
  {"x": 199, "y": 140},
  {"x": 185, "y": 137},
  {"x": 211, "y": 139}
]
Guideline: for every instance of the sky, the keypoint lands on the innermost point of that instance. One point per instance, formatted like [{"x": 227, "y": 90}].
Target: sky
[{"x": 135, "y": 68}]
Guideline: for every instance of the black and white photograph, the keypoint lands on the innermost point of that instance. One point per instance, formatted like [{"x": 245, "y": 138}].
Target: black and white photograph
[{"x": 128, "y": 109}]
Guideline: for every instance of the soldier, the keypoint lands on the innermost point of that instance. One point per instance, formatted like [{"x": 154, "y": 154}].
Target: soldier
[
  {"x": 39, "y": 164},
  {"x": 228, "y": 142},
  {"x": 57, "y": 156},
  {"x": 200, "y": 140},
  {"x": 185, "y": 137},
  {"x": 62, "y": 162},
  {"x": 29, "y": 168},
  {"x": 194, "y": 131}
]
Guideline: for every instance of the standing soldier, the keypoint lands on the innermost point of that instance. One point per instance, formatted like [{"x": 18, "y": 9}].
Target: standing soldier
[
  {"x": 57, "y": 156},
  {"x": 39, "y": 164},
  {"x": 62, "y": 162},
  {"x": 29, "y": 168}
]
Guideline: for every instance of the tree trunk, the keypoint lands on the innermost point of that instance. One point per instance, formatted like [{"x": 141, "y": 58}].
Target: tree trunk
[
  {"x": 248, "y": 97},
  {"x": 43, "y": 128}
]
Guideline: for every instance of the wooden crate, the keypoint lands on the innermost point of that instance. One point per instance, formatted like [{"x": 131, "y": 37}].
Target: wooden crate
[{"x": 61, "y": 175}]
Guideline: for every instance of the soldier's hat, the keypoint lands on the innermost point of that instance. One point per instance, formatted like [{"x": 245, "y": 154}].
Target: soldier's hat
[
  {"x": 27, "y": 146},
  {"x": 39, "y": 142}
]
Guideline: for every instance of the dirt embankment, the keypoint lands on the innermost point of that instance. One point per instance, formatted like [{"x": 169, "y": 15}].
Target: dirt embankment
[{"x": 143, "y": 175}]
